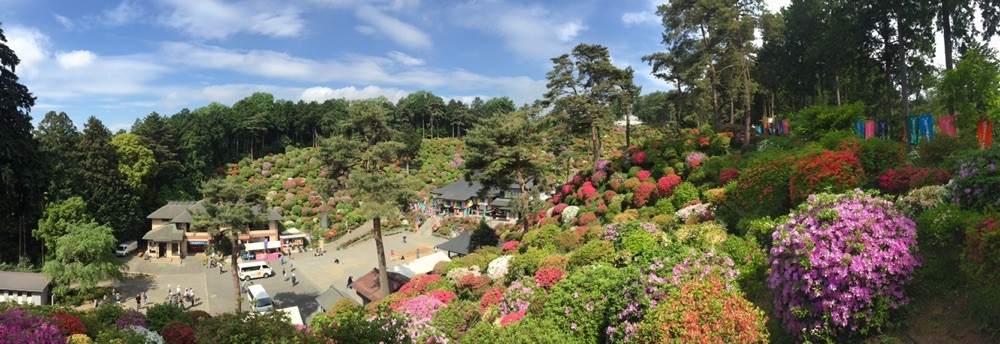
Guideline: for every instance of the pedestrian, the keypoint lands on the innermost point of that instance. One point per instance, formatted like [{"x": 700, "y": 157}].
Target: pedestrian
[
  {"x": 402, "y": 257},
  {"x": 192, "y": 298},
  {"x": 336, "y": 260},
  {"x": 282, "y": 272},
  {"x": 392, "y": 255},
  {"x": 293, "y": 279},
  {"x": 350, "y": 279},
  {"x": 418, "y": 253},
  {"x": 291, "y": 264},
  {"x": 144, "y": 298},
  {"x": 168, "y": 288},
  {"x": 95, "y": 302},
  {"x": 281, "y": 257},
  {"x": 404, "y": 238},
  {"x": 178, "y": 289},
  {"x": 220, "y": 269},
  {"x": 138, "y": 301}
]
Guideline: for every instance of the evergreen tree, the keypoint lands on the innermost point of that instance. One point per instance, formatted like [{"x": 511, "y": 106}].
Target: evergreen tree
[
  {"x": 484, "y": 235},
  {"x": 58, "y": 140}
]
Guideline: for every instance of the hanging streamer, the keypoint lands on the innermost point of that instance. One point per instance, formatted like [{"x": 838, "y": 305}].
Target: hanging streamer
[
  {"x": 859, "y": 128},
  {"x": 912, "y": 122},
  {"x": 947, "y": 124},
  {"x": 927, "y": 127},
  {"x": 984, "y": 133},
  {"x": 784, "y": 126},
  {"x": 882, "y": 128},
  {"x": 869, "y": 129}
]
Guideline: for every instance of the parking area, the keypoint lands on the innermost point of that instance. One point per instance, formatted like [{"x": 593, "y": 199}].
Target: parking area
[{"x": 314, "y": 274}]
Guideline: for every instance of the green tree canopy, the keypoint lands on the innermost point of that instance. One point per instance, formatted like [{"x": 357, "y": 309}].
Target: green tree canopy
[
  {"x": 58, "y": 217},
  {"x": 484, "y": 235},
  {"x": 972, "y": 88},
  {"x": 135, "y": 161},
  {"x": 85, "y": 257}
]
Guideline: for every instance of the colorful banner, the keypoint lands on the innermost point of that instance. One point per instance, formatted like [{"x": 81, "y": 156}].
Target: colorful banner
[
  {"x": 869, "y": 129},
  {"x": 947, "y": 124},
  {"x": 984, "y": 133},
  {"x": 784, "y": 126},
  {"x": 927, "y": 127},
  {"x": 859, "y": 128},
  {"x": 912, "y": 123},
  {"x": 760, "y": 128},
  {"x": 882, "y": 128}
]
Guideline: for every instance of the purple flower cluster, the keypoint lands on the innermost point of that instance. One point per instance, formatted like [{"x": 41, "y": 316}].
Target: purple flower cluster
[
  {"x": 649, "y": 227},
  {"x": 418, "y": 312},
  {"x": 130, "y": 318},
  {"x": 610, "y": 233},
  {"x": 977, "y": 185},
  {"x": 697, "y": 267},
  {"x": 517, "y": 298},
  {"x": 838, "y": 260},
  {"x": 18, "y": 326},
  {"x": 601, "y": 165}
]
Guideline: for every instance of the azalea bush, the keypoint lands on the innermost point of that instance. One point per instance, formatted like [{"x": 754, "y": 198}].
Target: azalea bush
[
  {"x": 704, "y": 311},
  {"x": 580, "y": 304},
  {"x": 919, "y": 200},
  {"x": 833, "y": 171},
  {"x": 18, "y": 326},
  {"x": 839, "y": 263},
  {"x": 178, "y": 332},
  {"x": 760, "y": 190},
  {"x": 982, "y": 249},
  {"x": 977, "y": 183},
  {"x": 902, "y": 179}
]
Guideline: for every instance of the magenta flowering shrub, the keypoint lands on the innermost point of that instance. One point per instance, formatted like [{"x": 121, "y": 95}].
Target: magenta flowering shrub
[
  {"x": 18, "y": 326},
  {"x": 977, "y": 184},
  {"x": 417, "y": 320},
  {"x": 839, "y": 263},
  {"x": 695, "y": 158},
  {"x": 130, "y": 318},
  {"x": 516, "y": 299}
]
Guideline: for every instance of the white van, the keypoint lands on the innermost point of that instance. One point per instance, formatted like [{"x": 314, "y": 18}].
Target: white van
[
  {"x": 258, "y": 298},
  {"x": 246, "y": 271},
  {"x": 126, "y": 248}
]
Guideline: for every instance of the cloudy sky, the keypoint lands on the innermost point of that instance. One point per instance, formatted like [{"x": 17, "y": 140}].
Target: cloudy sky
[{"x": 120, "y": 60}]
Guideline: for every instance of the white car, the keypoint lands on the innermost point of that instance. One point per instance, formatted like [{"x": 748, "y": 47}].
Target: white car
[{"x": 126, "y": 248}]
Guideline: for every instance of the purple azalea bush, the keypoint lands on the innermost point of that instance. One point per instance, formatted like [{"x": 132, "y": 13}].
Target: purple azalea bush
[
  {"x": 18, "y": 326},
  {"x": 839, "y": 263}
]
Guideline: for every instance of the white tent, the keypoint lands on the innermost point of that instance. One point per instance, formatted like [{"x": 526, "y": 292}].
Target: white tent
[
  {"x": 259, "y": 246},
  {"x": 421, "y": 265}
]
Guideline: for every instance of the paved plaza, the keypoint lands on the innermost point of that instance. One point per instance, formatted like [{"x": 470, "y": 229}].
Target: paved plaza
[{"x": 214, "y": 291}]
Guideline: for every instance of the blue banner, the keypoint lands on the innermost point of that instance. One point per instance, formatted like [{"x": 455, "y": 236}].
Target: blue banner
[
  {"x": 912, "y": 123},
  {"x": 882, "y": 128},
  {"x": 927, "y": 127},
  {"x": 859, "y": 128}
]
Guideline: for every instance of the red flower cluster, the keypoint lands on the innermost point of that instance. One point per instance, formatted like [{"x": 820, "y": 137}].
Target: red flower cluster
[
  {"x": 444, "y": 295},
  {"x": 667, "y": 183},
  {"x": 815, "y": 172},
  {"x": 491, "y": 297},
  {"x": 418, "y": 284},
  {"x": 706, "y": 312},
  {"x": 598, "y": 177},
  {"x": 702, "y": 141},
  {"x": 642, "y": 175},
  {"x": 638, "y": 158},
  {"x": 587, "y": 219},
  {"x": 511, "y": 317},
  {"x": 547, "y": 276},
  {"x": 727, "y": 174},
  {"x": 559, "y": 208},
  {"x": 586, "y": 191},
  {"x": 471, "y": 284},
  {"x": 177, "y": 332},
  {"x": 510, "y": 245},
  {"x": 67, "y": 323},
  {"x": 899, "y": 180},
  {"x": 608, "y": 195},
  {"x": 644, "y": 193}
]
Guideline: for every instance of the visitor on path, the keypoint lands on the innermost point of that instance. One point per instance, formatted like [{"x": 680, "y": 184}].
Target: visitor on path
[
  {"x": 350, "y": 279},
  {"x": 404, "y": 238},
  {"x": 178, "y": 289},
  {"x": 291, "y": 264},
  {"x": 192, "y": 298},
  {"x": 282, "y": 272},
  {"x": 293, "y": 280},
  {"x": 95, "y": 302},
  {"x": 220, "y": 269},
  {"x": 392, "y": 255},
  {"x": 138, "y": 301},
  {"x": 144, "y": 298},
  {"x": 402, "y": 257},
  {"x": 336, "y": 260},
  {"x": 281, "y": 257},
  {"x": 418, "y": 253}
]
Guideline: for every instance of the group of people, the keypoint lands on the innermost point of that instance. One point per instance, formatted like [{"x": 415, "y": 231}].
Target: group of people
[{"x": 180, "y": 297}]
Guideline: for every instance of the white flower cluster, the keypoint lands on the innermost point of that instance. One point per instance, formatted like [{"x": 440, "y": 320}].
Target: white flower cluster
[
  {"x": 569, "y": 214},
  {"x": 498, "y": 267},
  {"x": 457, "y": 273},
  {"x": 700, "y": 211}
]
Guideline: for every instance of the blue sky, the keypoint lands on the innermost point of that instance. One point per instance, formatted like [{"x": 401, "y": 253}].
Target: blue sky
[{"x": 120, "y": 60}]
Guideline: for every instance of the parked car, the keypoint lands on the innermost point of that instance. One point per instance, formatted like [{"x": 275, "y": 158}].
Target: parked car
[
  {"x": 249, "y": 270},
  {"x": 126, "y": 248},
  {"x": 258, "y": 298}
]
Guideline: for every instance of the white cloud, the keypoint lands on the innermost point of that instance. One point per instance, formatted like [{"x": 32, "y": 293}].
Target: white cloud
[
  {"x": 320, "y": 94},
  {"x": 65, "y": 22},
  {"x": 126, "y": 12},
  {"x": 29, "y": 45},
  {"x": 640, "y": 18},
  {"x": 405, "y": 59},
  {"x": 775, "y": 5},
  {"x": 214, "y": 19},
  {"x": 568, "y": 31},
  {"x": 75, "y": 59},
  {"x": 398, "y": 31},
  {"x": 531, "y": 31}
]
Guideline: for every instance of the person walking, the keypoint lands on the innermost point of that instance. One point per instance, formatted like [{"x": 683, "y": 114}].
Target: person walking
[
  {"x": 293, "y": 279},
  {"x": 282, "y": 272},
  {"x": 350, "y": 279},
  {"x": 220, "y": 269},
  {"x": 291, "y": 264},
  {"x": 404, "y": 238},
  {"x": 392, "y": 255},
  {"x": 192, "y": 298},
  {"x": 138, "y": 301},
  {"x": 144, "y": 298}
]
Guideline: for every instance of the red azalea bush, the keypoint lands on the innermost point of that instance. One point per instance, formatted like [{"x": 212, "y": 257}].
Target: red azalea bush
[
  {"x": 727, "y": 174},
  {"x": 67, "y": 323},
  {"x": 546, "y": 276},
  {"x": 586, "y": 191},
  {"x": 418, "y": 285},
  {"x": 644, "y": 193},
  {"x": 608, "y": 195},
  {"x": 667, "y": 183},
  {"x": 638, "y": 158},
  {"x": 445, "y": 296},
  {"x": 642, "y": 175},
  {"x": 471, "y": 285},
  {"x": 491, "y": 297},
  {"x": 704, "y": 311},
  {"x": 509, "y": 245},
  {"x": 559, "y": 208},
  {"x": 177, "y": 332},
  {"x": 587, "y": 219},
  {"x": 838, "y": 170},
  {"x": 598, "y": 177},
  {"x": 903, "y": 179},
  {"x": 982, "y": 249},
  {"x": 511, "y": 317}
]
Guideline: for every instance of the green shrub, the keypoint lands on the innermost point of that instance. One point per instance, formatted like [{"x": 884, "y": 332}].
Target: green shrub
[
  {"x": 592, "y": 252},
  {"x": 684, "y": 193},
  {"x": 877, "y": 155},
  {"x": 750, "y": 260},
  {"x": 943, "y": 227},
  {"x": 160, "y": 314},
  {"x": 919, "y": 200},
  {"x": 759, "y": 229},
  {"x": 944, "y": 151},
  {"x": 528, "y": 330},
  {"x": 579, "y": 303},
  {"x": 813, "y": 122},
  {"x": 456, "y": 318}
]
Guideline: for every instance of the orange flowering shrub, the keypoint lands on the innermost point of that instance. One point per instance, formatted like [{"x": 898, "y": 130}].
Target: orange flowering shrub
[
  {"x": 704, "y": 311},
  {"x": 838, "y": 170}
]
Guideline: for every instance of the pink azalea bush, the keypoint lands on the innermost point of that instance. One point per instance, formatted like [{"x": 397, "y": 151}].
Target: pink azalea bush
[
  {"x": 546, "y": 276},
  {"x": 18, "y": 326},
  {"x": 587, "y": 191},
  {"x": 509, "y": 245},
  {"x": 839, "y": 263},
  {"x": 695, "y": 159},
  {"x": 665, "y": 185},
  {"x": 642, "y": 175}
]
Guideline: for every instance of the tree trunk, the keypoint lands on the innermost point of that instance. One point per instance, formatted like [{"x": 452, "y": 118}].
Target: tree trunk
[
  {"x": 712, "y": 75},
  {"x": 946, "y": 28},
  {"x": 237, "y": 305},
  {"x": 595, "y": 142},
  {"x": 383, "y": 276},
  {"x": 836, "y": 84},
  {"x": 903, "y": 87},
  {"x": 524, "y": 193},
  {"x": 628, "y": 127}
]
